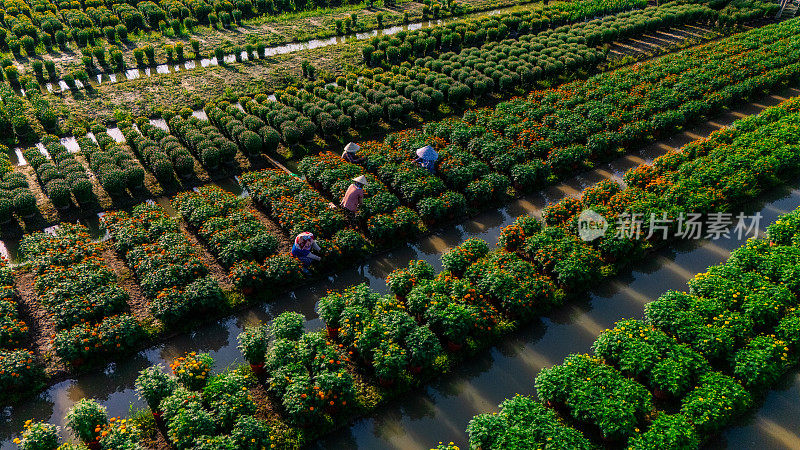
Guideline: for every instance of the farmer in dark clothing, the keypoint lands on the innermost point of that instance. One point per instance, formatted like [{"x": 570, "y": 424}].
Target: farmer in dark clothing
[
  {"x": 349, "y": 154},
  {"x": 426, "y": 157}
]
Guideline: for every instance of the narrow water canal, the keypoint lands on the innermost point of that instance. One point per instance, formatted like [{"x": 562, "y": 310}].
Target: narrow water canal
[{"x": 442, "y": 410}]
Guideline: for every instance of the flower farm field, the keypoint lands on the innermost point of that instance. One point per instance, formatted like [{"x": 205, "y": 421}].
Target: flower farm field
[
  {"x": 143, "y": 235},
  {"x": 633, "y": 304},
  {"x": 196, "y": 87},
  {"x": 273, "y": 120}
]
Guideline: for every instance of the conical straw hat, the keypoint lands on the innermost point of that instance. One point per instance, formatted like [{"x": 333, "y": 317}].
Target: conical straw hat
[
  {"x": 427, "y": 152},
  {"x": 361, "y": 179},
  {"x": 352, "y": 148}
]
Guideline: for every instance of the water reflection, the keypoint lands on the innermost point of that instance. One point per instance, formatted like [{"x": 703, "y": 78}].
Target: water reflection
[
  {"x": 442, "y": 410},
  {"x": 423, "y": 419}
]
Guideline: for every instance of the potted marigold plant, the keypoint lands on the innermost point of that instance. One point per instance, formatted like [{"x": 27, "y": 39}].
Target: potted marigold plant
[
  {"x": 253, "y": 343},
  {"x": 86, "y": 418},
  {"x": 38, "y": 436},
  {"x": 459, "y": 258},
  {"x": 288, "y": 325},
  {"x": 452, "y": 320},
  {"x": 423, "y": 348},
  {"x": 250, "y": 433},
  {"x": 390, "y": 362},
  {"x": 154, "y": 385},
  {"x": 193, "y": 370},
  {"x": 330, "y": 310}
]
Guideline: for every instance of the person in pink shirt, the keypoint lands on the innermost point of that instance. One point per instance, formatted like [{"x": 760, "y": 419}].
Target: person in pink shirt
[{"x": 354, "y": 195}]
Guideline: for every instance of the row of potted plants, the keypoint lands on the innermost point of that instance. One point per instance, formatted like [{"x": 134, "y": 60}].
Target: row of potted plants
[
  {"x": 380, "y": 208},
  {"x": 13, "y": 330},
  {"x": 379, "y": 331},
  {"x": 80, "y": 293},
  {"x": 17, "y": 117},
  {"x": 60, "y": 174},
  {"x": 232, "y": 231},
  {"x": 160, "y": 152},
  {"x": 237, "y": 238},
  {"x": 502, "y": 66},
  {"x": 460, "y": 34},
  {"x": 739, "y": 317},
  {"x": 199, "y": 409},
  {"x": 251, "y": 133},
  {"x": 306, "y": 372},
  {"x": 207, "y": 144},
  {"x": 293, "y": 203},
  {"x": 115, "y": 166},
  {"x": 15, "y": 193},
  {"x": 167, "y": 264}
]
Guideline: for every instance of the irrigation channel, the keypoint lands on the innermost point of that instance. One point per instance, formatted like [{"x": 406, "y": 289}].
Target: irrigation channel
[{"x": 442, "y": 410}]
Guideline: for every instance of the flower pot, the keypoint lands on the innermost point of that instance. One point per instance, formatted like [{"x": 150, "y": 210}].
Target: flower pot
[
  {"x": 158, "y": 416},
  {"x": 332, "y": 410},
  {"x": 660, "y": 394},
  {"x": 258, "y": 369},
  {"x": 247, "y": 290},
  {"x": 93, "y": 445},
  {"x": 556, "y": 405},
  {"x": 454, "y": 347},
  {"x": 386, "y": 383},
  {"x": 333, "y": 332},
  {"x": 415, "y": 370},
  {"x": 77, "y": 362}
]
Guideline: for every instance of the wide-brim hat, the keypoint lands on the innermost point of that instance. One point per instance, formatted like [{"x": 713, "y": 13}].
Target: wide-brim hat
[
  {"x": 361, "y": 179},
  {"x": 352, "y": 148},
  {"x": 427, "y": 152}
]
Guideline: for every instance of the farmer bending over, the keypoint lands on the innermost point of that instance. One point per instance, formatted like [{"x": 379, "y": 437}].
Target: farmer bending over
[
  {"x": 426, "y": 157},
  {"x": 349, "y": 154},
  {"x": 304, "y": 243}
]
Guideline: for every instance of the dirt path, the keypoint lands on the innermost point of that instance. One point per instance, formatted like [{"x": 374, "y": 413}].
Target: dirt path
[
  {"x": 139, "y": 305},
  {"x": 42, "y": 327}
]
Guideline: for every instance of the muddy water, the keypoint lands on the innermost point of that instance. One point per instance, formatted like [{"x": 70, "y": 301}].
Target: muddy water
[
  {"x": 113, "y": 386},
  {"x": 477, "y": 386},
  {"x": 442, "y": 411}
]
